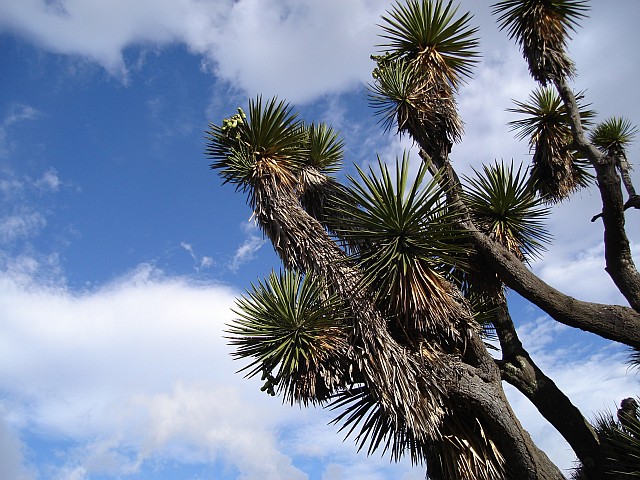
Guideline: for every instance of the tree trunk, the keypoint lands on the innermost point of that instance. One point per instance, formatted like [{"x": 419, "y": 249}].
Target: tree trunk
[
  {"x": 410, "y": 393},
  {"x": 519, "y": 370},
  {"x": 523, "y": 459}
]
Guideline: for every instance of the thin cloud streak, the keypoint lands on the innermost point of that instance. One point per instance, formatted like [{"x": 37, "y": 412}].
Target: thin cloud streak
[{"x": 252, "y": 243}]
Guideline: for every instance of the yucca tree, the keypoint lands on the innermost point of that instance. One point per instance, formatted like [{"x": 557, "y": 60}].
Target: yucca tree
[
  {"x": 387, "y": 272},
  {"x": 612, "y": 137},
  {"x": 296, "y": 337},
  {"x": 429, "y": 51},
  {"x": 408, "y": 393},
  {"x": 405, "y": 241},
  {"x": 263, "y": 155},
  {"x": 557, "y": 169},
  {"x": 541, "y": 28}
]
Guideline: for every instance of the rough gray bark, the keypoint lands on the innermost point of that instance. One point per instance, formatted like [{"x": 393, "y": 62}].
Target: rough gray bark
[{"x": 617, "y": 323}]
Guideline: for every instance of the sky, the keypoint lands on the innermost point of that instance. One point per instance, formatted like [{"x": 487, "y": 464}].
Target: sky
[{"x": 121, "y": 253}]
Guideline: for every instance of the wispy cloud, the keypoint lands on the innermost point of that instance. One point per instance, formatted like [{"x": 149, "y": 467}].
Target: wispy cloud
[
  {"x": 200, "y": 262},
  {"x": 17, "y": 113},
  {"x": 22, "y": 225},
  {"x": 48, "y": 182},
  {"x": 249, "y": 248}
]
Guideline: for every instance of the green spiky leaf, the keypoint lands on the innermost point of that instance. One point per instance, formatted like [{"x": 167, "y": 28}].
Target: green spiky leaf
[
  {"x": 557, "y": 169},
  {"x": 541, "y": 28},
  {"x": 613, "y": 135},
  {"x": 294, "y": 335},
  {"x": 269, "y": 137},
  {"x": 428, "y": 33},
  {"x": 506, "y": 209},
  {"x": 405, "y": 240}
]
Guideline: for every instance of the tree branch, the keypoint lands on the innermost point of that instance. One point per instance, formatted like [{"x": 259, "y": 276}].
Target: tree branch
[
  {"x": 619, "y": 261},
  {"x": 518, "y": 369}
]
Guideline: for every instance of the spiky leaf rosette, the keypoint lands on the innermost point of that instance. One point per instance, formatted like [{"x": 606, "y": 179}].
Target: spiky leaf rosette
[
  {"x": 621, "y": 449},
  {"x": 613, "y": 135},
  {"x": 270, "y": 142},
  {"x": 503, "y": 206},
  {"x": 427, "y": 54},
  {"x": 425, "y": 110},
  {"x": 428, "y": 35},
  {"x": 263, "y": 155},
  {"x": 557, "y": 170},
  {"x": 316, "y": 184},
  {"x": 406, "y": 239},
  {"x": 541, "y": 28},
  {"x": 295, "y": 335}
]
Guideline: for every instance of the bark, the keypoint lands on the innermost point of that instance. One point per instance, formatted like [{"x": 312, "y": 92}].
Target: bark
[
  {"x": 519, "y": 370},
  {"x": 619, "y": 261},
  {"x": 523, "y": 458},
  {"x": 479, "y": 386},
  {"x": 393, "y": 374}
]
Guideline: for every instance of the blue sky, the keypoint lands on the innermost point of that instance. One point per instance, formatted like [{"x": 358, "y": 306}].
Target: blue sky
[{"x": 121, "y": 253}]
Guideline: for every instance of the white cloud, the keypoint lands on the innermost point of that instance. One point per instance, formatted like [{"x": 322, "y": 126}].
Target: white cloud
[
  {"x": 296, "y": 49},
  {"x": 201, "y": 262},
  {"x": 49, "y": 181},
  {"x": 21, "y": 225},
  {"x": 12, "y": 461},
  {"x": 138, "y": 372},
  {"x": 483, "y": 109},
  {"x": 253, "y": 242},
  {"x": 140, "y": 362},
  {"x": 17, "y": 113},
  {"x": 582, "y": 275}
]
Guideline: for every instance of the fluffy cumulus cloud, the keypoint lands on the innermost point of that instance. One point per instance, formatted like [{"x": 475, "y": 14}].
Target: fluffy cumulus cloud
[
  {"x": 138, "y": 373},
  {"x": 268, "y": 46},
  {"x": 137, "y": 366}
]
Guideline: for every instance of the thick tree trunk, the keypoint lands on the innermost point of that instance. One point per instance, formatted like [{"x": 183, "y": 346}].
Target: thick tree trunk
[
  {"x": 524, "y": 460},
  {"x": 409, "y": 393}
]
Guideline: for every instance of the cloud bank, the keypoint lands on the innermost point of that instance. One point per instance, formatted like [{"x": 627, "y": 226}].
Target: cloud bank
[{"x": 258, "y": 46}]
